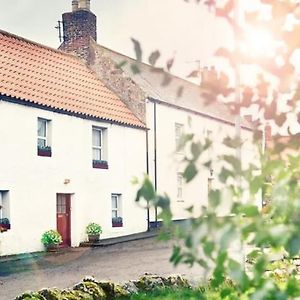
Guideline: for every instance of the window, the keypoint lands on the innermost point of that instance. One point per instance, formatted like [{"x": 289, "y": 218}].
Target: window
[
  {"x": 99, "y": 157},
  {"x": 178, "y": 135},
  {"x": 116, "y": 206},
  {"x": 4, "y": 211},
  {"x": 97, "y": 144},
  {"x": 179, "y": 186},
  {"x": 43, "y": 137}
]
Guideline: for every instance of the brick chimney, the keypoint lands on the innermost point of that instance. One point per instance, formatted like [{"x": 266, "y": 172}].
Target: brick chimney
[{"x": 79, "y": 26}]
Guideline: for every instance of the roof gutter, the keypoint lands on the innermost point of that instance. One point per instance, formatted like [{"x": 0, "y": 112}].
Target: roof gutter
[{"x": 154, "y": 100}]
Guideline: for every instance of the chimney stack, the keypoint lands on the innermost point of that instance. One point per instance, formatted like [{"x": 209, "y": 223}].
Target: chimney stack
[{"x": 79, "y": 27}]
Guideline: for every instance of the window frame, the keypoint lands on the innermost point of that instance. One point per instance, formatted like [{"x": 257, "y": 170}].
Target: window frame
[
  {"x": 179, "y": 185},
  {"x": 46, "y": 149},
  {"x": 97, "y": 147},
  {"x": 117, "y": 210},
  {"x": 4, "y": 197},
  {"x": 101, "y": 147},
  {"x": 40, "y": 137},
  {"x": 178, "y": 135}
]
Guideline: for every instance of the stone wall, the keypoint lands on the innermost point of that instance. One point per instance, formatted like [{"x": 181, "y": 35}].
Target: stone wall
[{"x": 116, "y": 80}]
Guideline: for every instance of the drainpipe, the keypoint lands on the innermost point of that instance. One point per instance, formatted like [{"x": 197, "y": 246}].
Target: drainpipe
[
  {"x": 155, "y": 156},
  {"x": 147, "y": 170}
]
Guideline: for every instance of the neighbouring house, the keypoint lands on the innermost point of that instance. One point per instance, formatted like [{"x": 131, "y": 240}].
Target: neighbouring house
[
  {"x": 166, "y": 103},
  {"x": 69, "y": 150}
]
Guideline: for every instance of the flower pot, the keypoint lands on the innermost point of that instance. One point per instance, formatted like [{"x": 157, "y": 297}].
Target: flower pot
[
  {"x": 44, "y": 152},
  {"x": 117, "y": 224},
  {"x": 93, "y": 238},
  {"x": 52, "y": 248},
  {"x": 100, "y": 164}
]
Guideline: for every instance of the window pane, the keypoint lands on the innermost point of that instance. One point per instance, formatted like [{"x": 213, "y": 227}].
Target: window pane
[
  {"x": 41, "y": 143},
  {"x": 42, "y": 127},
  {"x": 179, "y": 193},
  {"x": 114, "y": 214},
  {"x": 96, "y": 154},
  {"x": 114, "y": 201},
  {"x": 97, "y": 137}
]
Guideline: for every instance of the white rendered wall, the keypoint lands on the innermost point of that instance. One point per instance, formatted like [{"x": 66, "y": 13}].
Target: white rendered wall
[
  {"x": 34, "y": 181},
  {"x": 195, "y": 192}
]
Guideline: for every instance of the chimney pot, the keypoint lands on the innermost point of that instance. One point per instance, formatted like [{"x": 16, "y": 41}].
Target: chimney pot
[
  {"x": 74, "y": 5},
  {"x": 85, "y": 4}
]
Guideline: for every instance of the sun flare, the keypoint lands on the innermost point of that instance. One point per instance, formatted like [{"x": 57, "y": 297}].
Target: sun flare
[{"x": 258, "y": 43}]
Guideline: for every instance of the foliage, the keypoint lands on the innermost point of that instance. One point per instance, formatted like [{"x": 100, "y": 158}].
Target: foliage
[
  {"x": 93, "y": 229},
  {"x": 207, "y": 239},
  {"x": 169, "y": 294},
  {"x": 51, "y": 237}
]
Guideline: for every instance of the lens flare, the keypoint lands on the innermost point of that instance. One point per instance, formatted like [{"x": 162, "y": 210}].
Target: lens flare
[{"x": 258, "y": 43}]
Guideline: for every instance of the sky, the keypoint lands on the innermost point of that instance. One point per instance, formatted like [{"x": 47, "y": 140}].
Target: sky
[{"x": 184, "y": 30}]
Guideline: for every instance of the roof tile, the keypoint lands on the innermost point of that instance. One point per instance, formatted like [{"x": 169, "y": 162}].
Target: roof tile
[{"x": 34, "y": 73}]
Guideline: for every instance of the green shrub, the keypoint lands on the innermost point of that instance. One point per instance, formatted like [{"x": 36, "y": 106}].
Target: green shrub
[
  {"x": 93, "y": 228},
  {"x": 51, "y": 237}
]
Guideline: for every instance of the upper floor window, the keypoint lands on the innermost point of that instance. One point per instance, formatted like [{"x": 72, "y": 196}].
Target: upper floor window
[
  {"x": 99, "y": 147},
  {"x": 117, "y": 220},
  {"x": 178, "y": 135},
  {"x": 179, "y": 186},
  {"x": 43, "y": 137}
]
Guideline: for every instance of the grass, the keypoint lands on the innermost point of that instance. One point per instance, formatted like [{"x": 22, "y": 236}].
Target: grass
[{"x": 169, "y": 294}]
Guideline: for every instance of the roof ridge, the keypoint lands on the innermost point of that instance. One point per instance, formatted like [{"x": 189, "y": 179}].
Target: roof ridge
[
  {"x": 6, "y": 33},
  {"x": 149, "y": 66}
]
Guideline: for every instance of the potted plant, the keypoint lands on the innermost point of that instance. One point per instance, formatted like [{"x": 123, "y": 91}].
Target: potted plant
[
  {"x": 51, "y": 239},
  {"x": 117, "y": 222},
  {"x": 93, "y": 231}
]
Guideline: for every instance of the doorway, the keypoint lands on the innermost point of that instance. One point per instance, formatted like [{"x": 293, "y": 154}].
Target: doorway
[{"x": 63, "y": 218}]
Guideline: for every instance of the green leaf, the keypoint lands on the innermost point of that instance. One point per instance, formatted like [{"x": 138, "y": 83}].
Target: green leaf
[
  {"x": 225, "y": 174},
  {"x": 146, "y": 191},
  {"x": 214, "y": 198},
  {"x": 234, "y": 162},
  {"x": 256, "y": 184},
  {"x": 135, "y": 69},
  {"x": 137, "y": 49},
  {"x": 208, "y": 248},
  {"x": 196, "y": 150},
  {"x": 190, "y": 172},
  {"x": 154, "y": 56},
  {"x": 176, "y": 255},
  {"x": 232, "y": 142},
  {"x": 121, "y": 64},
  {"x": 249, "y": 210}
]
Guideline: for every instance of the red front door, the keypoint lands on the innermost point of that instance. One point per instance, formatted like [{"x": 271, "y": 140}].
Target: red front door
[{"x": 63, "y": 217}]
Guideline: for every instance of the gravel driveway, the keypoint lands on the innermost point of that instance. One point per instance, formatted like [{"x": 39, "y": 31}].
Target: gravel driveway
[{"x": 118, "y": 263}]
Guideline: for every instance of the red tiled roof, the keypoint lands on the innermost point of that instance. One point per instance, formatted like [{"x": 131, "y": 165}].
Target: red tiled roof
[{"x": 34, "y": 73}]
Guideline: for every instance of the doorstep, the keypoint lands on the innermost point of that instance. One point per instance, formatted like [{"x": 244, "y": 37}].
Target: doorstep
[{"x": 121, "y": 239}]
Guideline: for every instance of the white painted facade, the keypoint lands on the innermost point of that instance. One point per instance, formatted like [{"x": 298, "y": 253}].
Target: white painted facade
[
  {"x": 168, "y": 164},
  {"x": 33, "y": 181}
]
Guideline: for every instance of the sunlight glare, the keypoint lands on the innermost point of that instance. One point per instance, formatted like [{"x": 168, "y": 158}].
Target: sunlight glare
[{"x": 258, "y": 43}]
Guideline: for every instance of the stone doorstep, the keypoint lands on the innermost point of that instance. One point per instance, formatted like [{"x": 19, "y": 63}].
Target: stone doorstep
[{"x": 121, "y": 239}]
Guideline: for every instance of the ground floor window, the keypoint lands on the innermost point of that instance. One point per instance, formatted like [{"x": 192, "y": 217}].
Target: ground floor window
[
  {"x": 116, "y": 209},
  {"x": 4, "y": 210},
  {"x": 179, "y": 186}
]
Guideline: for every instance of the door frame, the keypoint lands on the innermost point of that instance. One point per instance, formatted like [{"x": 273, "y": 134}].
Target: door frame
[{"x": 68, "y": 196}]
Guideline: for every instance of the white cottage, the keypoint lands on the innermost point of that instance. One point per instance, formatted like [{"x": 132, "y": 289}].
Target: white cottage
[
  {"x": 165, "y": 103},
  {"x": 69, "y": 148}
]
